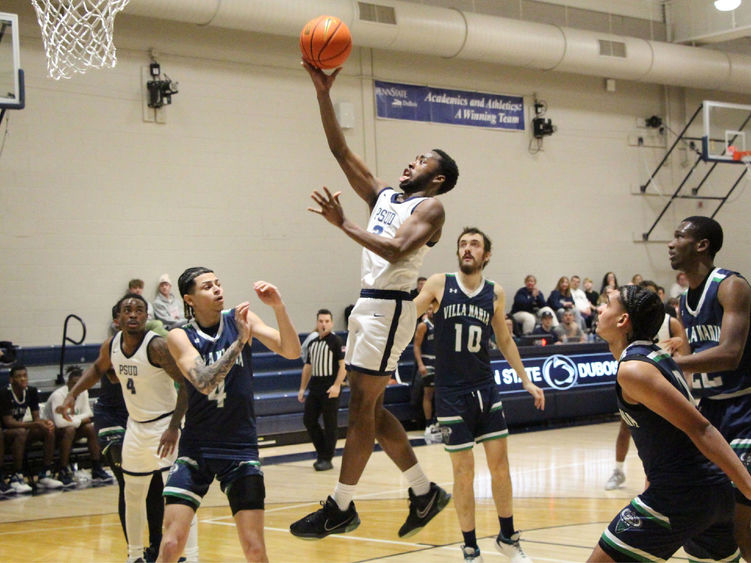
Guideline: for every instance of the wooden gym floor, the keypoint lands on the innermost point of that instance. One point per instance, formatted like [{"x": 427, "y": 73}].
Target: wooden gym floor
[{"x": 559, "y": 504}]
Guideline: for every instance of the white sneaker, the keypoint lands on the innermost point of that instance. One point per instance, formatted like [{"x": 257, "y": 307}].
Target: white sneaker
[
  {"x": 47, "y": 481},
  {"x": 616, "y": 480},
  {"x": 472, "y": 554},
  {"x": 433, "y": 434},
  {"x": 18, "y": 484},
  {"x": 511, "y": 548}
]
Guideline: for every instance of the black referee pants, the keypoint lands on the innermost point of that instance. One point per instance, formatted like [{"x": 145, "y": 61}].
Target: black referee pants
[{"x": 318, "y": 404}]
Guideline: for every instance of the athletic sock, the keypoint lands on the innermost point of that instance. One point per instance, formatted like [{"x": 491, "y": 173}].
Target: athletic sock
[
  {"x": 470, "y": 539},
  {"x": 417, "y": 480},
  {"x": 343, "y": 495},
  {"x": 619, "y": 466},
  {"x": 507, "y": 526}
]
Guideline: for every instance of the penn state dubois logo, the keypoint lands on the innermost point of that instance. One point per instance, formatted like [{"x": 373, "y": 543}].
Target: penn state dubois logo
[
  {"x": 559, "y": 372},
  {"x": 627, "y": 519}
]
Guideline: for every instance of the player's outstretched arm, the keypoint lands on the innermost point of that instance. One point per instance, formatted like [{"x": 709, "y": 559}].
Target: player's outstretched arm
[
  {"x": 90, "y": 376},
  {"x": 358, "y": 174},
  {"x": 284, "y": 341},
  {"x": 206, "y": 378},
  {"x": 735, "y": 298},
  {"x": 159, "y": 352},
  {"x": 643, "y": 383},
  {"x": 420, "y": 228},
  {"x": 509, "y": 350}
]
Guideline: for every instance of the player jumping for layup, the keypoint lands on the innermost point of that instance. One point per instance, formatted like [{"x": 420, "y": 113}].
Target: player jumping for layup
[
  {"x": 219, "y": 439},
  {"x": 382, "y": 323}
]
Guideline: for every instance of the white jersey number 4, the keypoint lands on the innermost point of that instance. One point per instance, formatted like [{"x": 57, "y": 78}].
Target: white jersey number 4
[{"x": 218, "y": 395}]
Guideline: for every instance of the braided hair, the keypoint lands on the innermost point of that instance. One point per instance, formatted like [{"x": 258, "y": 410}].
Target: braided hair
[
  {"x": 186, "y": 282},
  {"x": 645, "y": 310}
]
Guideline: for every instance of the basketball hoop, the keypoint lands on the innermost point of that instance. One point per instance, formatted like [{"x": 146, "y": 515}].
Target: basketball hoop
[
  {"x": 78, "y": 34},
  {"x": 740, "y": 156}
]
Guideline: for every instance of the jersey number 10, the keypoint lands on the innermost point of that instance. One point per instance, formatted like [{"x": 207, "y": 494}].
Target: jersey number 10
[{"x": 474, "y": 335}]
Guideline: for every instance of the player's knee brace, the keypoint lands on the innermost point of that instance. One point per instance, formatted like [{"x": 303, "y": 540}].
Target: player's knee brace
[{"x": 247, "y": 493}]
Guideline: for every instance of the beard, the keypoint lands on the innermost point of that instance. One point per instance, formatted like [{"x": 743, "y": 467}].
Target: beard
[
  {"x": 410, "y": 186},
  {"x": 469, "y": 269}
]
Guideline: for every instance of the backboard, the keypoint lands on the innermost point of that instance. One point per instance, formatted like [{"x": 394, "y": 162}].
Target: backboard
[
  {"x": 11, "y": 75},
  {"x": 725, "y": 125}
]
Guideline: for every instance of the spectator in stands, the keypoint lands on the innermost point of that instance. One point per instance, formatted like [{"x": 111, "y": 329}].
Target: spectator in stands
[
  {"x": 136, "y": 286},
  {"x": 168, "y": 308},
  {"x": 661, "y": 293},
  {"x": 569, "y": 331},
  {"x": 15, "y": 401},
  {"x": 680, "y": 285},
  {"x": 560, "y": 301},
  {"x": 591, "y": 294},
  {"x": 324, "y": 371},
  {"x": 529, "y": 301},
  {"x": 609, "y": 282},
  {"x": 674, "y": 303},
  {"x": 581, "y": 302},
  {"x": 80, "y": 426},
  {"x": 545, "y": 331},
  {"x": 636, "y": 279},
  {"x": 420, "y": 282}
]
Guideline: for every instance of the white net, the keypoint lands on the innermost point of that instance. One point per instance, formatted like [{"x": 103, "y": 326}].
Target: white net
[{"x": 78, "y": 34}]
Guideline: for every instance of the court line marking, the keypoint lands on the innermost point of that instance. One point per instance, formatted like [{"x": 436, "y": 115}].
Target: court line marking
[{"x": 56, "y": 528}]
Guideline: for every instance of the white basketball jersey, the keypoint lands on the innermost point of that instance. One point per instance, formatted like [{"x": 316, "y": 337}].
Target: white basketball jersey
[
  {"x": 388, "y": 215},
  {"x": 148, "y": 390}
]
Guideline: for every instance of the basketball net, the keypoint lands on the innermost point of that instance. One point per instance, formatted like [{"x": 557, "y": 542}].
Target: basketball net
[{"x": 77, "y": 34}]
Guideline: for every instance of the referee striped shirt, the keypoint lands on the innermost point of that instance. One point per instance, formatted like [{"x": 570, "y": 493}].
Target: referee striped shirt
[{"x": 324, "y": 355}]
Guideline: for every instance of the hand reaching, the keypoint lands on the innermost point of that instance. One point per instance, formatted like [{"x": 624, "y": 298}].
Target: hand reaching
[
  {"x": 321, "y": 80},
  {"x": 242, "y": 322},
  {"x": 331, "y": 209},
  {"x": 268, "y": 293}
]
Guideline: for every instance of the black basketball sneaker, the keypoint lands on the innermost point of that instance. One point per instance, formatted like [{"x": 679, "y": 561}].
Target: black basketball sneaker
[
  {"x": 325, "y": 521},
  {"x": 423, "y": 508}
]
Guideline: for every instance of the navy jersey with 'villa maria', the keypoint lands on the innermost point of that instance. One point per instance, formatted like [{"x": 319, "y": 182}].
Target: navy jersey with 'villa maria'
[
  {"x": 670, "y": 458},
  {"x": 462, "y": 335},
  {"x": 703, "y": 331},
  {"x": 222, "y": 421}
]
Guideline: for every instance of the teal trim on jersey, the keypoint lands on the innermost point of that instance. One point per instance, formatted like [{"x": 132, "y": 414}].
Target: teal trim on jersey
[
  {"x": 632, "y": 552},
  {"x": 183, "y": 494},
  {"x": 112, "y": 431},
  {"x": 658, "y": 356},
  {"x": 492, "y": 436},
  {"x": 651, "y": 513},
  {"x": 449, "y": 420},
  {"x": 741, "y": 445},
  {"x": 187, "y": 461}
]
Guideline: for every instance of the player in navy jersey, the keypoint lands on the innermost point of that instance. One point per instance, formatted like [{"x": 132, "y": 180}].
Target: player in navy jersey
[
  {"x": 716, "y": 311},
  {"x": 689, "y": 501},
  {"x": 468, "y": 308},
  {"x": 219, "y": 438},
  {"x": 402, "y": 225}
]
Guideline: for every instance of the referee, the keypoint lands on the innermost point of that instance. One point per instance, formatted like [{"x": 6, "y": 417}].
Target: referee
[{"x": 324, "y": 370}]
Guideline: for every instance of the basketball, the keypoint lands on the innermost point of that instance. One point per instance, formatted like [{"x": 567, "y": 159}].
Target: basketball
[{"x": 325, "y": 42}]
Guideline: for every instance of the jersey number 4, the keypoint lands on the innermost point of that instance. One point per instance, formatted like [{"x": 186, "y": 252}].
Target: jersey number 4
[
  {"x": 131, "y": 386},
  {"x": 474, "y": 335},
  {"x": 218, "y": 395}
]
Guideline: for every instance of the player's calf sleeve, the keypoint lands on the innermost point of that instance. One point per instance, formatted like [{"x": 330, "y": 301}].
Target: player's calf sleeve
[
  {"x": 155, "y": 508},
  {"x": 136, "y": 490}
]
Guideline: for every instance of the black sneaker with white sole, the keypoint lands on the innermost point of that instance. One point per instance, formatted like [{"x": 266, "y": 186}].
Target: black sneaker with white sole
[
  {"x": 423, "y": 508},
  {"x": 325, "y": 521}
]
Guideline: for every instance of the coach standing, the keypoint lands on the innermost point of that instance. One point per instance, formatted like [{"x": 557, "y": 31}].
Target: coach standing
[{"x": 324, "y": 370}]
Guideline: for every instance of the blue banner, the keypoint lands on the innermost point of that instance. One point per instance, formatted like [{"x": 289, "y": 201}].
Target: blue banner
[
  {"x": 438, "y": 105},
  {"x": 559, "y": 372}
]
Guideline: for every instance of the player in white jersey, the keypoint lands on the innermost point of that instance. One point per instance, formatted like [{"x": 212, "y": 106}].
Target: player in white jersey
[
  {"x": 383, "y": 320},
  {"x": 148, "y": 374}
]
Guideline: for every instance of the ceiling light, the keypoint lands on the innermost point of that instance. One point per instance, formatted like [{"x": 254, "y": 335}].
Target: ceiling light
[{"x": 727, "y": 5}]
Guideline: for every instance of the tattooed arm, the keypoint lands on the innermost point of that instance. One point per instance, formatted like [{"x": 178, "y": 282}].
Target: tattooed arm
[{"x": 206, "y": 378}]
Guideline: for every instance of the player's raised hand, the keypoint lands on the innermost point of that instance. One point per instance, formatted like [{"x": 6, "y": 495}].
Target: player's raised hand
[
  {"x": 242, "y": 321},
  {"x": 536, "y": 393},
  {"x": 330, "y": 209},
  {"x": 321, "y": 80},
  {"x": 268, "y": 293}
]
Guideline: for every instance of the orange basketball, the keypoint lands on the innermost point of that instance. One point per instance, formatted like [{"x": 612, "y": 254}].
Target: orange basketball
[{"x": 325, "y": 42}]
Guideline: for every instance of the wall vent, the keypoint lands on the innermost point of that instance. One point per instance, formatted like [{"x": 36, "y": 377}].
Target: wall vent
[
  {"x": 612, "y": 48},
  {"x": 377, "y": 13}
]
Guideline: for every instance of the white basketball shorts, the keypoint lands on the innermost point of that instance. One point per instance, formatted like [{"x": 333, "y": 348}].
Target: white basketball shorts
[
  {"x": 140, "y": 447},
  {"x": 379, "y": 331}
]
